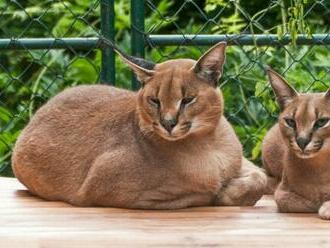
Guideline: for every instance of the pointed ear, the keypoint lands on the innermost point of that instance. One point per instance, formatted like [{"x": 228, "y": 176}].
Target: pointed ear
[
  {"x": 143, "y": 69},
  {"x": 327, "y": 94},
  {"x": 210, "y": 64},
  {"x": 283, "y": 91}
]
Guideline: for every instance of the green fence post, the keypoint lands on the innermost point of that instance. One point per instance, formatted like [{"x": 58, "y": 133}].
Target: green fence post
[
  {"x": 108, "y": 70},
  {"x": 137, "y": 33}
]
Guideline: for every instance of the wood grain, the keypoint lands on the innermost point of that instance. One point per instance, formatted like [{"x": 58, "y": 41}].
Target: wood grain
[{"x": 27, "y": 221}]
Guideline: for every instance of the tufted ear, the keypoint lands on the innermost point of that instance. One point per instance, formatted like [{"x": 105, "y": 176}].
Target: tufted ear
[
  {"x": 210, "y": 65},
  {"x": 283, "y": 91},
  {"x": 327, "y": 94},
  {"x": 143, "y": 69}
]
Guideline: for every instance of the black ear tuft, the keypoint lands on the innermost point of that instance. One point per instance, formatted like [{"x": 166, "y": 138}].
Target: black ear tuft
[
  {"x": 141, "y": 62},
  {"x": 143, "y": 69},
  {"x": 128, "y": 58}
]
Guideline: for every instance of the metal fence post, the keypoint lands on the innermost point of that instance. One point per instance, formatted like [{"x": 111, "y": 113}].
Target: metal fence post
[
  {"x": 108, "y": 32},
  {"x": 137, "y": 33}
]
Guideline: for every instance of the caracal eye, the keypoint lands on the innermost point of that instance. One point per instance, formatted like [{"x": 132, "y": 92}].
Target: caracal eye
[
  {"x": 154, "y": 101},
  {"x": 290, "y": 122},
  {"x": 187, "y": 100},
  {"x": 321, "y": 122}
]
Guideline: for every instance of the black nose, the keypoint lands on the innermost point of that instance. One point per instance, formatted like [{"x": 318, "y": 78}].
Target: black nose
[
  {"x": 169, "y": 124},
  {"x": 302, "y": 142}
]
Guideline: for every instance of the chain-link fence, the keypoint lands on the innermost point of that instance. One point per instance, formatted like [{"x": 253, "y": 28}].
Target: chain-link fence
[{"x": 46, "y": 46}]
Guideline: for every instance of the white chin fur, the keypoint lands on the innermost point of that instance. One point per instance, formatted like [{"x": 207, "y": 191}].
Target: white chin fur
[
  {"x": 304, "y": 155},
  {"x": 173, "y": 138}
]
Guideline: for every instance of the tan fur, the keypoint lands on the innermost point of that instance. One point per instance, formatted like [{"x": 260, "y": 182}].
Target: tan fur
[
  {"x": 103, "y": 146},
  {"x": 304, "y": 174}
]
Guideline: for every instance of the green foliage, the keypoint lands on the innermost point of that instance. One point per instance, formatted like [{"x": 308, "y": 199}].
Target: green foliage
[{"x": 29, "y": 78}]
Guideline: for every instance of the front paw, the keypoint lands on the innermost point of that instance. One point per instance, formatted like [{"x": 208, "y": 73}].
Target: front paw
[
  {"x": 238, "y": 199},
  {"x": 240, "y": 192},
  {"x": 324, "y": 211}
]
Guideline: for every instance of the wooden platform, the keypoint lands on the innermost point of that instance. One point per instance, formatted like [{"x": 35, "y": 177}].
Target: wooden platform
[{"x": 26, "y": 221}]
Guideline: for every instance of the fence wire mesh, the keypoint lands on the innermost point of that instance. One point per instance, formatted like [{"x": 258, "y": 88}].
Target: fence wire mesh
[{"x": 28, "y": 77}]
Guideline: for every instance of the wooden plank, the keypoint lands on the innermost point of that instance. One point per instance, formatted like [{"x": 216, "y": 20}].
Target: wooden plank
[{"x": 27, "y": 221}]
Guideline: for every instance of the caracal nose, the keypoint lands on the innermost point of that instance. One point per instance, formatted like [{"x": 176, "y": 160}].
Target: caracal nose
[
  {"x": 302, "y": 142},
  {"x": 169, "y": 122}
]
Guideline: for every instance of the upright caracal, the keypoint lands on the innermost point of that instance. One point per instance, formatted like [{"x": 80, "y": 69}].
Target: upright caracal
[{"x": 296, "y": 151}]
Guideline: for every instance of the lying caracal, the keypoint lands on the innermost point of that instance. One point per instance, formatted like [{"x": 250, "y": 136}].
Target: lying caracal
[{"x": 166, "y": 146}]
